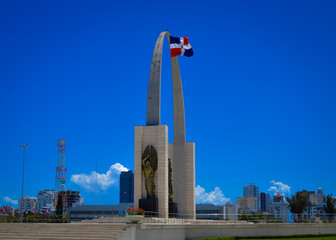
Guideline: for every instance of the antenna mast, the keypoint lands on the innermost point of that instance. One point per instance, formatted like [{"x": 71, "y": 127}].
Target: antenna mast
[{"x": 61, "y": 171}]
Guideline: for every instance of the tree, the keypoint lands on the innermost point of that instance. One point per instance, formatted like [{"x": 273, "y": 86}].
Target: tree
[
  {"x": 59, "y": 206},
  {"x": 329, "y": 207},
  {"x": 297, "y": 205}
]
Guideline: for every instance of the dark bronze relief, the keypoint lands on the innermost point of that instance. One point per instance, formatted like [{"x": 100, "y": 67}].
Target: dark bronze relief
[{"x": 149, "y": 166}]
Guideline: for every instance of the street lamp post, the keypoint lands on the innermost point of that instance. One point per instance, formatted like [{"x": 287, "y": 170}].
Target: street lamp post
[{"x": 24, "y": 146}]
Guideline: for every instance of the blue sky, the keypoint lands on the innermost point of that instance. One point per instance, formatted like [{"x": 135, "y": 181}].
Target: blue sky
[{"x": 259, "y": 92}]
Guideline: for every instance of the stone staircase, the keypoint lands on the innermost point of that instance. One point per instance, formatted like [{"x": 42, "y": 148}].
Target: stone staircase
[{"x": 49, "y": 231}]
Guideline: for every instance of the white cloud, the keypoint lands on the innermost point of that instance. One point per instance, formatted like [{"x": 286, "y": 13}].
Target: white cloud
[
  {"x": 215, "y": 197},
  {"x": 9, "y": 200},
  {"x": 104, "y": 180},
  {"x": 279, "y": 187}
]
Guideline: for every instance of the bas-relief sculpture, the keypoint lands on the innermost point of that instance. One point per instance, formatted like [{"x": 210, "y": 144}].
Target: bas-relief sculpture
[
  {"x": 170, "y": 181},
  {"x": 149, "y": 166}
]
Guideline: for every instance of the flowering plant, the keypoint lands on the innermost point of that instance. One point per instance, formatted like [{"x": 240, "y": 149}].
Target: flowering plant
[{"x": 133, "y": 211}]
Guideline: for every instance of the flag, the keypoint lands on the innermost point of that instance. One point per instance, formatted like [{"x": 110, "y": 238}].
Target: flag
[{"x": 180, "y": 46}]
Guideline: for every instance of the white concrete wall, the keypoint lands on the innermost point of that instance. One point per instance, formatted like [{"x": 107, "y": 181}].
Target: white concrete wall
[{"x": 194, "y": 231}]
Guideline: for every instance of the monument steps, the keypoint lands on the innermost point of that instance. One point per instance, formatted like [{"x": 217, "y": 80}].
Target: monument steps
[{"x": 94, "y": 231}]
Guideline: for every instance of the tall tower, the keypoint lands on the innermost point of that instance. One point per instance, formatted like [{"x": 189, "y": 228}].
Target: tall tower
[{"x": 61, "y": 171}]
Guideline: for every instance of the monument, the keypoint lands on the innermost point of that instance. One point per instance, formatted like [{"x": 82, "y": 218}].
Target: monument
[{"x": 164, "y": 173}]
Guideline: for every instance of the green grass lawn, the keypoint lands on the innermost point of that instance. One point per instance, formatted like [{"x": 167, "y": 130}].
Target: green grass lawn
[
  {"x": 312, "y": 238},
  {"x": 292, "y": 237}
]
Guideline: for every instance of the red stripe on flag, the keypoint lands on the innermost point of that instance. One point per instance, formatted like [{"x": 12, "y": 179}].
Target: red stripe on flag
[
  {"x": 175, "y": 52},
  {"x": 185, "y": 41}
]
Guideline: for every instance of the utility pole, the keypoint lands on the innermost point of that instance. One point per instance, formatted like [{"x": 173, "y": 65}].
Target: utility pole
[
  {"x": 96, "y": 184},
  {"x": 24, "y": 146}
]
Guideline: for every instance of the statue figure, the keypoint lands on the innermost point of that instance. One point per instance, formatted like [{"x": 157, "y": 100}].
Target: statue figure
[
  {"x": 149, "y": 166},
  {"x": 170, "y": 181}
]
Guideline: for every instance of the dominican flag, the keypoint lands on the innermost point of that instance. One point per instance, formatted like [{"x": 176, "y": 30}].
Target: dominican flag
[{"x": 180, "y": 46}]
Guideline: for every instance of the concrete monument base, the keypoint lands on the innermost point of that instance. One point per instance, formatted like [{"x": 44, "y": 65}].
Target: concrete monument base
[{"x": 150, "y": 206}]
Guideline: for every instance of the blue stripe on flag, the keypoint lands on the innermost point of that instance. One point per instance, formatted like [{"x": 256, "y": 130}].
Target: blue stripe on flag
[
  {"x": 188, "y": 52},
  {"x": 175, "y": 40}
]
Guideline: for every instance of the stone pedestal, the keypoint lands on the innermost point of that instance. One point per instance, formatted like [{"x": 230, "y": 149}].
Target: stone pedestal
[
  {"x": 157, "y": 136},
  {"x": 150, "y": 206}
]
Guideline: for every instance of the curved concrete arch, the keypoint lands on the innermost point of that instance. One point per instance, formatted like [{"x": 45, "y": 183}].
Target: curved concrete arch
[
  {"x": 154, "y": 92},
  {"x": 153, "y": 118}
]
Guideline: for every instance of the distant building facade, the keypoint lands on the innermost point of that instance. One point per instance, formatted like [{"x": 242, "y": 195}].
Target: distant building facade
[
  {"x": 209, "y": 211},
  {"x": 27, "y": 204},
  {"x": 247, "y": 204},
  {"x": 310, "y": 195},
  {"x": 265, "y": 202},
  {"x": 279, "y": 208},
  {"x": 320, "y": 196},
  {"x": 231, "y": 211},
  {"x": 78, "y": 213},
  {"x": 74, "y": 198},
  {"x": 45, "y": 200},
  {"x": 251, "y": 191},
  {"x": 127, "y": 187}
]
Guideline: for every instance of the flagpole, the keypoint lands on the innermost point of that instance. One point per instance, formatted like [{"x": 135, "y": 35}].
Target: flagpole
[{"x": 24, "y": 146}]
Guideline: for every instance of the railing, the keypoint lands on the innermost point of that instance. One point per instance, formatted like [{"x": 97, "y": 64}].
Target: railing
[
  {"x": 243, "y": 218},
  {"x": 30, "y": 219},
  {"x": 204, "y": 218}
]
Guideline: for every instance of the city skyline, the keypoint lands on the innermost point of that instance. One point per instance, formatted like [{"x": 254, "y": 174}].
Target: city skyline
[{"x": 259, "y": 93}]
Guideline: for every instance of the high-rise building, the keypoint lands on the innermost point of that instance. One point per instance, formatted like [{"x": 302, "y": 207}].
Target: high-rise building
[
  {"x": 27, "y": 204},
  {"x": 279, "y": 208},
  {"x": 320, "y": 196},
  {"x": 45, "y": 200},
  {"x": 251, "y": 191},
  {"x": 247, "y": 204},
  {"x": 265, "y": 202},
  {"x": 127, "y": 187},
  {"x": 231, "y": 211}
]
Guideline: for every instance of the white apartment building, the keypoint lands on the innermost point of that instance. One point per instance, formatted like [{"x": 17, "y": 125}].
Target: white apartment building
[
  {"x": 27, "y": 204},
  {"x": 279, "y": 208},
  {"x": 45, "y": 200}
]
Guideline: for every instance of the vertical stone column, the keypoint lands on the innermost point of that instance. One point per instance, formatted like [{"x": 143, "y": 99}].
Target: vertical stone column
[
  {"x": 162, "y": 171},
  {"x": 190, "y": 180},
  {"x": 138, "y": 176}
]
